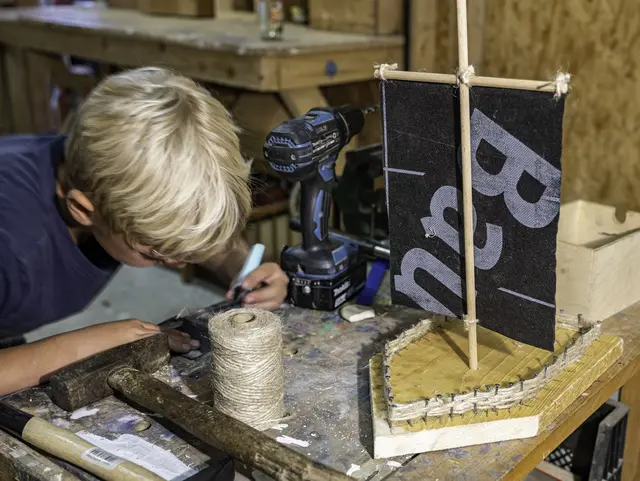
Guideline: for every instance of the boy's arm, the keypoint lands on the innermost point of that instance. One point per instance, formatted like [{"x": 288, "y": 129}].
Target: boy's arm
[{"x": 30, "y": 364}]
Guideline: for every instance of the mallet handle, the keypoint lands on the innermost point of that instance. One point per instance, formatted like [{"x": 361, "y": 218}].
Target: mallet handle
[
  {"x": 219, "y": 430},
  {"x": 72, "y": 448}
]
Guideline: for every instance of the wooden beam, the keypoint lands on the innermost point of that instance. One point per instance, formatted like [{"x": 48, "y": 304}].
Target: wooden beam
[
  {"x": 226, "y": 68},
  {"x": 312, "y": 70},
  {"x": 223, "y": 6},
  {"x": 17, "y": 80},
  {"x": 188, "y": 8},
  {"x": 630, "y": 395},
  {"x": 6, "y": 118},
  {"x": 298, "y": 102},
  {"x": 76, "y": 79},
  {"x": 39, "y": 91}
]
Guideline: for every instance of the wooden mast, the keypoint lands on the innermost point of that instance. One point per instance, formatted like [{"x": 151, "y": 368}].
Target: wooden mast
[{"x": 467, "y": 188}]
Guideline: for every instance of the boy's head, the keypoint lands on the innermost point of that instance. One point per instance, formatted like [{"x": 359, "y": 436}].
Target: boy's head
[{"x": 153, "y": 167}]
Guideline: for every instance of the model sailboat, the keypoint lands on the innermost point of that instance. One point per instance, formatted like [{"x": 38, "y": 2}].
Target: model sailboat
[{"x": 473, "y": 173}]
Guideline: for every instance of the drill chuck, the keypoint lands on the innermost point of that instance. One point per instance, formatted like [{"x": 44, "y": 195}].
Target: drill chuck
[{"x": 352, "y": 121}]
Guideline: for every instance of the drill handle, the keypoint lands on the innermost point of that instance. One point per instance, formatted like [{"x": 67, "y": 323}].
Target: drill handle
[{"x": 315, "y": 206}]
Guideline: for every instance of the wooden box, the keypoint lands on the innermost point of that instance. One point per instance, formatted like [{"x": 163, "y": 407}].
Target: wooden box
[
  {"x": 598, "y": 260},
  {"x": 188, "y": 8},
  {"x": 378, "y": 17}
]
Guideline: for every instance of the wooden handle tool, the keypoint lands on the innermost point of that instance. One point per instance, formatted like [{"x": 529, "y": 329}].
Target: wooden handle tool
[
  {"x": 70, "y": 447},
  {"x": 240, "y": 440},
  {"x": 124, "y": 369}
]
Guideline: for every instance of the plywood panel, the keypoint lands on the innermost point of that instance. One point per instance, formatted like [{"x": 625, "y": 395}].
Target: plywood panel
[
  {"x": 437, "y": 364},
  {"x": 598, "y": 43},
  {"x": 189, "y": 8},
  {"x": 382, "y": 17},
  {"x": 432, "y": 40}
]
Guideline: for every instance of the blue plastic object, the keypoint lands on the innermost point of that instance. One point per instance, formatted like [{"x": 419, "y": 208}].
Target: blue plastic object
[{"x": 374, "y": 279}]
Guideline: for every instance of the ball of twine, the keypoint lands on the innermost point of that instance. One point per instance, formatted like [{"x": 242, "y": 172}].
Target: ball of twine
[{"x": 247, "y": 371}]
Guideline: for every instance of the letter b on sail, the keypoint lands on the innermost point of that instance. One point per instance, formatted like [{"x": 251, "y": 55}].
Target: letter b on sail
[{"x": 519, "y": 159}]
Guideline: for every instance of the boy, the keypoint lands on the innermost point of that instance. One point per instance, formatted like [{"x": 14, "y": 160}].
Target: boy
[{"x": 150, "y": 173}]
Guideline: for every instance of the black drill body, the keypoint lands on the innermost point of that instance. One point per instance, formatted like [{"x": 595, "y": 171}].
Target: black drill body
[{"x": 323, "y": 273}]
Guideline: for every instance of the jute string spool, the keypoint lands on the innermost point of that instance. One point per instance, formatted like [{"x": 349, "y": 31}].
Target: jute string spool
[{"x": 247, "y": 371}]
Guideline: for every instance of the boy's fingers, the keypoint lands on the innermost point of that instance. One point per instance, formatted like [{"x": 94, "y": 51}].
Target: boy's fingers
[
  {"x": 172, "y": 332},
  {"x": 181, "y": 342},
  {"x": 262, "y": 295},
  {"x": 267, "y": 306},
  {"x": 151, "y": 328},
  {"x": 179, "y": 346},
  {"x": 254, "y": 279}
]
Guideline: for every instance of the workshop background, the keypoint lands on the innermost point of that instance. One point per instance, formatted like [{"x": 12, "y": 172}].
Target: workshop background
[{"x": 597, "y": 41}]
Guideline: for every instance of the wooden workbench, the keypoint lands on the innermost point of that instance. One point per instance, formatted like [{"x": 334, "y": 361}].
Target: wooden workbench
[
  {"x": 226, "y": 50},
  {"x": 327, "y": 395}
]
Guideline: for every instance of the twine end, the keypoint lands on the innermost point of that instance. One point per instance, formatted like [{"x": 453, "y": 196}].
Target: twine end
[
  {"x": 381, "y": 69},
  {"x": 561, "y": 84}
]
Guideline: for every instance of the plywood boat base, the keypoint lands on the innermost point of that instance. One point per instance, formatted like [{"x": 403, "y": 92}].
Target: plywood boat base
[{"x": 480, "y": 427}]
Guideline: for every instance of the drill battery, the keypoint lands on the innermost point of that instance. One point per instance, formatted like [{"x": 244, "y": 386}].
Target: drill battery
[{"x": 326, "y": 290}]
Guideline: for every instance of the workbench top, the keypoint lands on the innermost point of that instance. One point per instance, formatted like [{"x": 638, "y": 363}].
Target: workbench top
[
  {"x": 226, "y": 50},
  {"x": 327, "y": 396},
  {"x": 237, "y": 32}
]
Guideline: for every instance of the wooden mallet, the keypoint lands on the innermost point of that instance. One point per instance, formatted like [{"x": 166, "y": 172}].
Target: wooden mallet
[{"x": 125, "y": 369}]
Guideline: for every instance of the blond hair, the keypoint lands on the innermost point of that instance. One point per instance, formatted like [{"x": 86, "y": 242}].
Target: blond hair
[{"x": 160, "y": 159}]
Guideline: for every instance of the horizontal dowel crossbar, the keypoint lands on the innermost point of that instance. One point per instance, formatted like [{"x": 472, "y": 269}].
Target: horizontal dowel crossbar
[{"x": 506, "y": 83}]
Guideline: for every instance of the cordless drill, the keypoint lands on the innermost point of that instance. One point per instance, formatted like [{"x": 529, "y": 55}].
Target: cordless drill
[{"x": 323, "y": 273}]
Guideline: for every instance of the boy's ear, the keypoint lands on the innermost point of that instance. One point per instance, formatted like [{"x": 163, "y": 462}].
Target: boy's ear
[{"x": 80, "y": 207}]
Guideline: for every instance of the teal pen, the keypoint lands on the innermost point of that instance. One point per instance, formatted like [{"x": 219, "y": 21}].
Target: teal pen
[{"x": 251, "y": 263}]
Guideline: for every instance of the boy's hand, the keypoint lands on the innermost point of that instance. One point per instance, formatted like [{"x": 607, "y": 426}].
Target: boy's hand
[
  {"x": 273, "y": 294},
  {"x": 30, "y": 364},
  {"x": 178, "y": 341}
]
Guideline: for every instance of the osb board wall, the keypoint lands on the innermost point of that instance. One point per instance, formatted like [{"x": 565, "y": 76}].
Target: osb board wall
[
  {"x": 432, "y": 35},
  {"x": 598, "y": 42}
]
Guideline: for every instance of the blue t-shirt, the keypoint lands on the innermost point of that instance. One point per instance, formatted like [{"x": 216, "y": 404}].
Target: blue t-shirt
[{"x": 44, "y": 275}]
